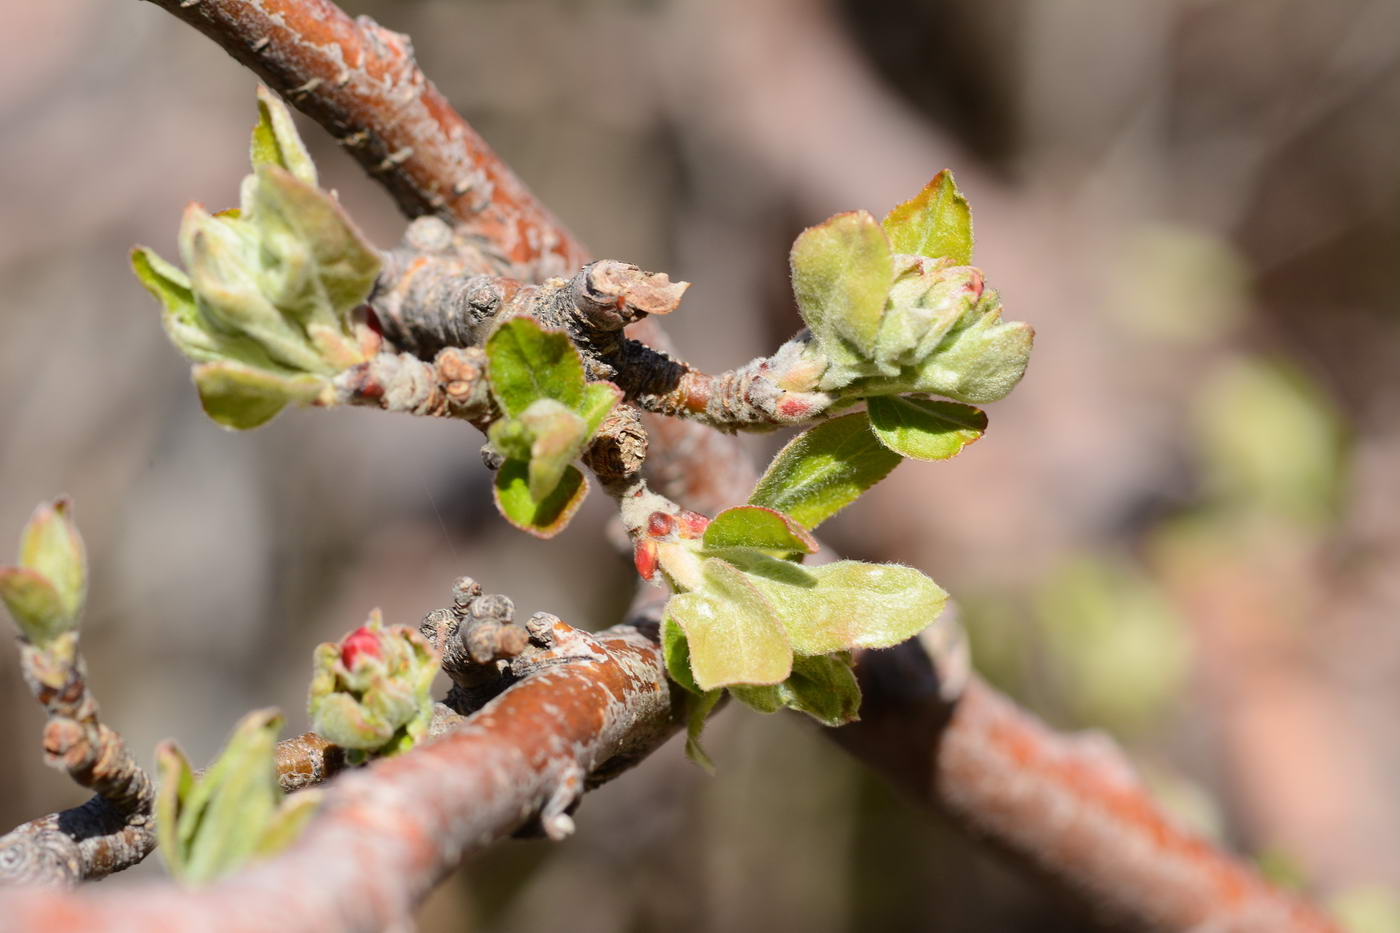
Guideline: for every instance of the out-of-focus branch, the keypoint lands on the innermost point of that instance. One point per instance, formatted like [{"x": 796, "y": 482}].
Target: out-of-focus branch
[
  {"x": 590, "y": 707},
  {"x": 360, "y": 81},
  {"x": 113, "y": 830},
  {"x": 1068, "y": 806}
]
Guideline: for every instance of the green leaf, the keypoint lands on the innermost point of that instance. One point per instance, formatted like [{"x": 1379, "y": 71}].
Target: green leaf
[
  {"x": 676, "y": 651},
  {"x": 979, "y": 360},
  {"x": 823, "y": 687},
  {"x": 527, "y": 362},
  {"x": 224, "y": 813},
  {"x": 599, "y": 398},
  {"x": 732, "y": 631},
  {"x": 174, "y": 782},
  {"x": 557, "y": 438},
  {"x": 545, "y": 517},
  {"x": 35, "y": 604},
  {"x": 276, "y": 141},
  {"x": 241, "y": 397},
  {"x": 842, "y": 270},
  {"x": 287, "y": 823},
  {"x": 51, "y": 546},
  {"x": 844, "y": 605},
  {"x": 757, "y": 527},
  {"x": 936, "y": 222},
  {"x": 697, "y": 710},
  {"x": 923, "y": 429},
  {"x": 824, "y": 469},
  {"x": 299, "y": 223}
]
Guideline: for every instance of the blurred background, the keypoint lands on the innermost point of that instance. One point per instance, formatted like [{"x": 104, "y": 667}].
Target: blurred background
[{"x": 1183, "y": 528}]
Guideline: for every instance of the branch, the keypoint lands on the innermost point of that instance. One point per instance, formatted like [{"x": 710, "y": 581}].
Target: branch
[
  {"x": 359, "y": 81},
  {"x": 1068, "y": 806},
  {"x": 111, "y": 831},
  {"x": 386, "y": 834}
]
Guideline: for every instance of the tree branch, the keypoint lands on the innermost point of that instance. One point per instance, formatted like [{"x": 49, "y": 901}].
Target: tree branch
[{"x": 590, "y": 707}]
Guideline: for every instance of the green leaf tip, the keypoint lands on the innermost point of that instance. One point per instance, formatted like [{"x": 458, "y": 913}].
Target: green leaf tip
[
  {"x": 210, "y": 825},
  {"x": 550, "y": 415},
  {"x": 45, "y": 592},
  {"x": 936, "y": 222},
  {"x": 922, "y": 429},
  {"x": 754, "y": 526},
  {"x": 272, "y": 286},
  {"x": 824, "y": 469}
]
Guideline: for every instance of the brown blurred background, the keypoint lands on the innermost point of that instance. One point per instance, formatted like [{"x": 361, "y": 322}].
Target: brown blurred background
[{"x": 1183, "y": 528}]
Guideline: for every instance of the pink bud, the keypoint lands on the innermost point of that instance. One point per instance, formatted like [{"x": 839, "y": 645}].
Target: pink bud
[
  {"x": 644, "y": 556},
  {"x": 659, "y": 525},
  {"x": 363, "y": 642},
  {"x": 692, "y": 524}
]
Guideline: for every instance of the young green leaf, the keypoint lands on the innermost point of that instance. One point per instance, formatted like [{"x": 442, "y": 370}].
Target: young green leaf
[
  {"x": 557, "y": 438},
  {"x": 527, "y": 362},
  {"x": 823, "y": 687},
  {"x": 241, "y": 397},
  {"x": 35, "y": 604},
  {"x": 841, "y": 274},
  {"x": 936, "y": 222},
  {"x": 545, "y": 517},
  {"x": 844, "y": 605},
  {"x": 757, "y": 527},
  {"x": 276, "y": 141},
  {"x": 697, "y": 710},
  {"x": 599, "y": 398},
  {"x": 733, "y": 634},
  {"x": 676, "y": 651},
  {"x": 924, "y": 429},
  {"x": 979, "y": 360},
  {"x": 824, "y": 469},
  {"x": 51, "y": 546}
]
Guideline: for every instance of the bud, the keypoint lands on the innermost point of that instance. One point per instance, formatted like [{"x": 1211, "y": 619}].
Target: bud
[
  {"x": 370, "y": 692},
  {"x": 45, "y": 593}
]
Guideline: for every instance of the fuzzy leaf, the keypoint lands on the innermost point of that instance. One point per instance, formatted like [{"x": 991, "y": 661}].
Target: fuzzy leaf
[
  {"x": 51, "y": 546},
  {"x": 757, "y": 527},
  {"x": 823, "y": 687},
  {"x": 557, "y": 438},
  {"x": 241, "y": 397},
  {"x": 842, "y": 270},
  {"x": 824, "y": 469},
  {"x": 844, "y": 605},
  {"x": 923, "y": 429},
  {"x": 308, "y": 222},
  {"x": 35, "y": 604},
  {"x": 276, "y": 141},
  {"x": 697, "y": 710},
  {"x": 676, "y": 651},
  {"x": 733, "y": 634},
  {"x": 527, "y": 362},
  {"x": 936, "y": 222},
  {"x": 225, "y": 812},
  {"x": 979, "y": 360},
  {"x": 545, "y": 517}
]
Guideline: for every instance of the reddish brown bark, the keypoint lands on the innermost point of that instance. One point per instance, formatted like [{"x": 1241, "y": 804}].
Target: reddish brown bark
[{"x": 388, "y": 833}]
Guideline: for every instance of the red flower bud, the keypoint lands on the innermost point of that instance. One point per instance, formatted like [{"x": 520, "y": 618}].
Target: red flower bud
[
  {"x": 644, "y": 556},
  {"x": 362, "y": 642},
  {"x": 692, "y": 524},
  {"x": 659, "y": 525}
]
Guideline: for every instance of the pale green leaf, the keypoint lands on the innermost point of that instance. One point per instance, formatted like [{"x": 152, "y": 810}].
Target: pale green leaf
[
  {"x": 276, "y": 141},
  {"x": 758, "y": 527},
  {"x": 599, "y": 398},
  {"x": 557, "y": 437},
  {"x": 824, "y": 469},
  {"x": 697, "y": 710},
  {"x": 226, "y": 811},
  {"x": 841, "y": 274},
  {"x": 174, "y": 781},
  {"x": 980, "y": 360},
  {"x": 543, "y": 518},
  {"x": 35, "y": 604},
  {"x": 924, "y": 429},
  {"x": 241, "y": 397},
  {"x": 51, "y": 546},
  {"x": 844, "y": 605},
  {"x": 936, "y": 222},
  {"x": 677, "y": 654},
  {"x": 286, "y": 824},
  {"x": 733, "y": 634},
  {"x": 527, "y": 362}
]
